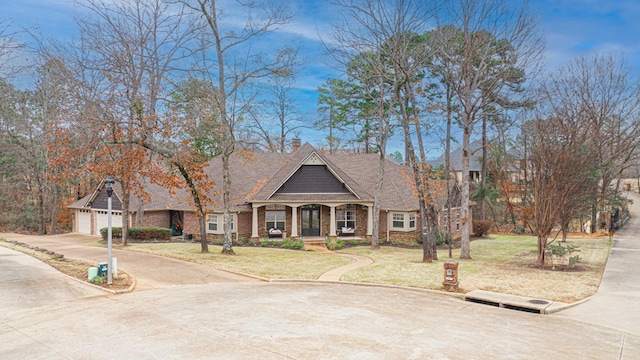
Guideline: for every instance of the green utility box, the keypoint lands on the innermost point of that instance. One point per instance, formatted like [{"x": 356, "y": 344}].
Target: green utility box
[{"x": 103, "y": 268}]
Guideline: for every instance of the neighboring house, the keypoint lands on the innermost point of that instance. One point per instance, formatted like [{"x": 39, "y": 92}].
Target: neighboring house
[
  {"x": 303, "y": 194},
  {"x": 475, "y": 163}
]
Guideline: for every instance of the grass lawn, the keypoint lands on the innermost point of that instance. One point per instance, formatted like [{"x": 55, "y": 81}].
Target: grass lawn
[
  {"x": 501, "y": 263},
  {"x": 264, "y": 262}
]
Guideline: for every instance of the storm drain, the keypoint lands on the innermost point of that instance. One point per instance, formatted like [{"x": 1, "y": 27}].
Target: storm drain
[{"x": 507, "y": 301}]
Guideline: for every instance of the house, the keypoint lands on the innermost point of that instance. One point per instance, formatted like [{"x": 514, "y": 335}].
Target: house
[
  {"x": 475, "y": 163},
  {"x": 303, "y": 194}
]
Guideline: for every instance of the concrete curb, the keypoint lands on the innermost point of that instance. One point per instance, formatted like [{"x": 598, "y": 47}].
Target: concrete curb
[
  {"x": 430, "y": 291},
  {"x": 131, "y": 287},
  {"x": 115, "y": 292},
  {"x": 567, "y": 306}
]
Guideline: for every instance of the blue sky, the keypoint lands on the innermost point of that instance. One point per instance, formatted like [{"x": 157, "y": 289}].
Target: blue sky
[{"x": 570, "y": 28}]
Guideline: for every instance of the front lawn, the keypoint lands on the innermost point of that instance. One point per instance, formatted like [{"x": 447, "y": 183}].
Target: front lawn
[
  {"x": 500, "y": 263},
  {"x": 269, "y": 263}
]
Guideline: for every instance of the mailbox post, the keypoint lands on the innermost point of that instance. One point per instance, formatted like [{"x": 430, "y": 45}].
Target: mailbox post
[{"x": 450, "y": 282}]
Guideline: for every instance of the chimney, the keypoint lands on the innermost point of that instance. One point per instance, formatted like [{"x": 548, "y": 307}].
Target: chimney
[{"x": 295, "y": 145}]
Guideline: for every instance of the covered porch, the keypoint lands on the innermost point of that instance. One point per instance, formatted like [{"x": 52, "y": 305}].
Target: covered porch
[{"x": 310, "y": 220}]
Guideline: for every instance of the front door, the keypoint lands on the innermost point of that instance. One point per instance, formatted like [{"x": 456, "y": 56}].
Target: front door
[{"x": 310, "y": 220}]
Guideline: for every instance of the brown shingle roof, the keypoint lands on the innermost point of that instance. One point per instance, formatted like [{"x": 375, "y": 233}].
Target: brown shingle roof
[{"x": 256, "y": 177}]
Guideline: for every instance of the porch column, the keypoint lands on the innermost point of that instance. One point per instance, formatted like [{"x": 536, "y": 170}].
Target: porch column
[
  {"x": 332, "y": 220},
  {"x": 369, "y": 220},
  {"x": 294, "y": 221},
  {"x": 254, "y": 222}
]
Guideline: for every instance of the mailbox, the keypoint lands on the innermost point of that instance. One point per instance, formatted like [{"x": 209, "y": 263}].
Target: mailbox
[{"x": 450, "y": 282}]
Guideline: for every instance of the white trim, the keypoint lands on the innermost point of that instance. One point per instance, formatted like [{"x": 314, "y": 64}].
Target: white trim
[
  {"x": 406, "y": 220},
  {"x": 219, "y": 222}
]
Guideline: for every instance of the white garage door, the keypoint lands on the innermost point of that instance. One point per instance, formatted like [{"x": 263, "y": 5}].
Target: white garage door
[
  {"x": 102, "y": 220},
  {"x": 83, "y": 221}
]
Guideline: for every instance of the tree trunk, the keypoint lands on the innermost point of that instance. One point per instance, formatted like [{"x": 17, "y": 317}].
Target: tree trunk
[
  {"x": 483, "y": 174},
  {"x": 204, "y": 245},
  {"x": 227, "y": 245},
  {"x": 542, "y": 243},
  {"x": 375, "y": 236},
  {"x": 465, "y": 248},
  {"x": 427, "y": 249},
  {"x": 447, "y": 170},
  {"x": 41, "y": 224},
  {"x": 54, "y": 210},
  {"x": 126, "y": 197}
]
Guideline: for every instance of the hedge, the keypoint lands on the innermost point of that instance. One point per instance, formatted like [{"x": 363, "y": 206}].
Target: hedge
[{"x": 142, "y": 233}]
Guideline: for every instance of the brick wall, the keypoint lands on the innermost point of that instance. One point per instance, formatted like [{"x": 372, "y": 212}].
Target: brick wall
[
  {"x": 191, "y": 225},
  {"x": 244, "y": 224},
  {"x": 158, "y": 218}
]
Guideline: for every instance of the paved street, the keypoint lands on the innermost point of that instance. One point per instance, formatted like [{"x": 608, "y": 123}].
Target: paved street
[{"x": 189, "y": 311}]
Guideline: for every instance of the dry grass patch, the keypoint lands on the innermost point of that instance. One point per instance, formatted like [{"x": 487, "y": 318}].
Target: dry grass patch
[
  {"x": 264, "y": 262},
  {"x": 501, "y": 263}
]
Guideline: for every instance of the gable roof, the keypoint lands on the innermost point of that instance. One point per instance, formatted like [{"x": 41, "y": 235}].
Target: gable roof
[
  {"x": 455, "y": 158},
  {"x": 160, "y": 199},
  {"x": 267, "y": 192}
]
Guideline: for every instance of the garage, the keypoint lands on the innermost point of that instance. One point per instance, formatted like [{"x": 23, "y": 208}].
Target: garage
[
  {"x": 102, "y": 220},
  {"x": 83, "y": 221}
]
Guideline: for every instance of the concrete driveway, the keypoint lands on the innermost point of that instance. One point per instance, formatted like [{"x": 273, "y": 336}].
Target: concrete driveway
[
  {"x": 150, "y": 271},
  {"x": 204, "y": 314},
  {"x": 27, "y": 283}
]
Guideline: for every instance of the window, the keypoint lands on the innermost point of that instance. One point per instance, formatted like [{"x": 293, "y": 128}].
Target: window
[
  {"x": 214, "y": 223},
  {"x": 346, "y": 219},
  {"x": 398, "y": 221},
  {"x": 403, "y": 221},
  {"x": 458, "y": 220},
  {"x": 275, "y": 220}
]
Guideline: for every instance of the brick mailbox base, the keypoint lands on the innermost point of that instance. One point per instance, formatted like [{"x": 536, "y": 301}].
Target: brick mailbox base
[{"x": 450, "y": 282}]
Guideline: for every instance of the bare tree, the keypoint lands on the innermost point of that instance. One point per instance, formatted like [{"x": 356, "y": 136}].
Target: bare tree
[
  {"x": 279, "y": 120},
  {"x": 137, "y": 46},
  {"x": 493, "y": 38},
  {"x": 559, "y": 159},
  {"x": 600, "y": 90},
  {"x": 233, "y": 75},
  {"x": 357, "y": 44}
]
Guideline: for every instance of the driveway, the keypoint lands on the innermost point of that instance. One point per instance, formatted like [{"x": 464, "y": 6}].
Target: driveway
[
  {"x": 27, "y": 283},
  {"x": 150, "y": 271}
]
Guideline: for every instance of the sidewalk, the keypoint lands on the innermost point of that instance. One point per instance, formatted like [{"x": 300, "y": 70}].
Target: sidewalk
[
  {"x": 617, "y": 302},
  {"x": 337, "y": 273}
]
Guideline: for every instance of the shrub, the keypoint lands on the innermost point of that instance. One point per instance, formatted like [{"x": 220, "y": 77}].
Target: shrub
[
  {"x": 142, "y": 233},
  {"x": 116, "y": 232},
  {"x": 481, "y": 227},
  {"x": 334, "y": 244},
  {"x": 442, "y": 238},
  {"x": 285, "y": 244}
]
